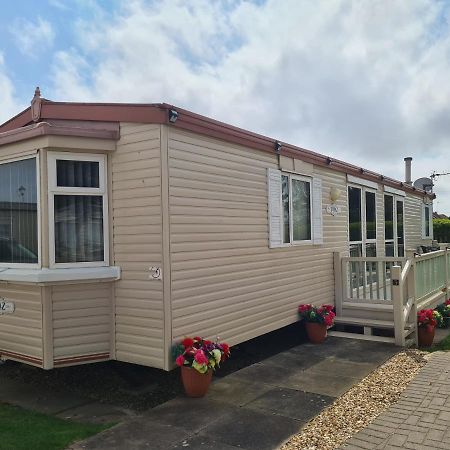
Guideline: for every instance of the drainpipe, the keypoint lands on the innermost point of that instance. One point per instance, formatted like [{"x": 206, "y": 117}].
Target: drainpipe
[{"x": 408, "y": 180}]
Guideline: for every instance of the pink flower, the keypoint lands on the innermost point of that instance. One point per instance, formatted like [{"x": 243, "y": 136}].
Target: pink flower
[
  {"x": 180, "y": 360},
  {"x": 200, "y": 357}
]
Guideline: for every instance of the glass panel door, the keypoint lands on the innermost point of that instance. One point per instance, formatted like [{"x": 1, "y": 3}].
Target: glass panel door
[
  {"x": 389, "y": 225},
  {"x": 400, "y": 231}
]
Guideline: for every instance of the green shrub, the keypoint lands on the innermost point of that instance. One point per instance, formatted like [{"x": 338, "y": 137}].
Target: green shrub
[{"x": 441, "y": 230}]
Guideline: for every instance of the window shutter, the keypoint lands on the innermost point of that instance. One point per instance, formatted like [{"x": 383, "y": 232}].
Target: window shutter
[
  {"x": 317, "y": 221},
  {"x": 423, "y": 211},
  {"x": 431, "y": 221},
  {"x": 274, "y": 208}
]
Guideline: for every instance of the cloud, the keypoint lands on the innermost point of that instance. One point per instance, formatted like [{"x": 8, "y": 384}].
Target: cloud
[
  {"x": 32, "y": 38},
  {"x": 365, "y": 81},
  {"x": 10, "y": 105}
]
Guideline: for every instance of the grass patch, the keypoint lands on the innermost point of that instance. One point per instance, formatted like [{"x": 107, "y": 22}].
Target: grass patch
[
  {"x": 441, "y": 346},
  {"x": 24, "y": 430}
]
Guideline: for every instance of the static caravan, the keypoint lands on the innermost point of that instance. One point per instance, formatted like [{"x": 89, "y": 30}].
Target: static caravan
[{"x": 124, "y": 227}]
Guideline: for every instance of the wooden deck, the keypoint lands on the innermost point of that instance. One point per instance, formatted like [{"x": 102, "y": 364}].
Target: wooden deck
[{"x": 378, "y": 298}]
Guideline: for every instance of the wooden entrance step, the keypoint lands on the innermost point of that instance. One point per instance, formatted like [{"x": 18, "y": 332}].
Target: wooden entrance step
[
  {"x": 363, "y": 322},
  {"x": 363, "y": 337},
  {"x": 387, "y": 307}
]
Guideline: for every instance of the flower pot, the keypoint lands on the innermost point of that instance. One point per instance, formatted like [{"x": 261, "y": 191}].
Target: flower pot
[
  {"x": 317, "y": 332},
  {"x": 195, "y": 384},
  {"x": 425, "y": 337}
]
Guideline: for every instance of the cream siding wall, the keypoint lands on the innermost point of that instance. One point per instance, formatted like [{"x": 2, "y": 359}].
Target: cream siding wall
[
  {"x": 413, "y": 222},
  {"x": 379, "y": 198},
  {"x": 225, "y": 279},
  {"x": 137, "y": 240},
  {"x": 81, "y": 319},
  {"x": 21, "y": 331}
]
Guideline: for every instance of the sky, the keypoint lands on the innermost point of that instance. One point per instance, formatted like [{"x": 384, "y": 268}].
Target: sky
[{"x": 365, "y": 81}]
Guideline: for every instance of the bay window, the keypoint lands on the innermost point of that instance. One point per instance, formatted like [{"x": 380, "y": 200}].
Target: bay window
[
  {"x": 19, "y": 242},
  {"x": 78, "y": 210}
]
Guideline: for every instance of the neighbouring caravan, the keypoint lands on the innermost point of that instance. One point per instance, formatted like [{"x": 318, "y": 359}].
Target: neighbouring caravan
[{"x": 124, "y": 227}]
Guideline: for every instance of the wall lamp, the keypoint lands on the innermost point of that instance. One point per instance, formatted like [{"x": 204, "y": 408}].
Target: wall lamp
[
  {"x": 173, "y": 116},
  {"x": 278, "y": 147},
  {"x": 335, "y": 193}
]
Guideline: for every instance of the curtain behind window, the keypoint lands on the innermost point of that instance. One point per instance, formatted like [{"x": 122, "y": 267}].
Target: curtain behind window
[
  {"x": 78, "y": 228},
  {"x": 18, "y": 212}
]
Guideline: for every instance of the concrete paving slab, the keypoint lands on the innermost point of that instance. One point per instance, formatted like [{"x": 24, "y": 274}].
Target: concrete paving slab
[
  {"x": 190, "y": 414},
  {"x": 320, "y": 383},
  {"x": 138, "y": 434},
  {"x": 30, "y": 397},
  {"x": 293, "y": 360},
  {"x": 96, "y": 413},
  {"x": 252, "y": 430},
  {"x": 202, "y": 443},
  {"x": 298, "y": 405},
  {"x": 339, "y": 368},
  {"x": 331, "y": 344},
  {"x": 236, "y": 392},
  {"x": 263, "y": 373}
]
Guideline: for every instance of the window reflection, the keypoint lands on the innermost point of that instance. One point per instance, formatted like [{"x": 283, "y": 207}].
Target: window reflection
[{"x": 18, "y": 212}]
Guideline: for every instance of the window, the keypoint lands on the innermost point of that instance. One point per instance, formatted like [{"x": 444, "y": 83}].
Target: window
[
  {"x": 296, "y": 205},
  {"x": 362, "y": 222},
  {"x": 427, "y": 222},
  {"x": 19, "y": 212},
  {"x": 78, "y": 210},
  {"x": 294, "y": 209}
]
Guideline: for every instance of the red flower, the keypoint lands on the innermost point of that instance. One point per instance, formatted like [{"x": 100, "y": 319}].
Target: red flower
[
  {"x": 328, "y": 320},
  {"x": 225, "y": 348},
  {"x": 187, "y": 342},
  {"x": 206, "y": 342},
  {"x": 197, "y": 338}
]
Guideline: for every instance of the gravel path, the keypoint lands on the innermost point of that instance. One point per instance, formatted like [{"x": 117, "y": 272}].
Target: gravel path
[{"x": 360, "y": 405}]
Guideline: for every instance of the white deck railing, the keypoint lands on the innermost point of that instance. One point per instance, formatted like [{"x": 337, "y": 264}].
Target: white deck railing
[{"x": 408, "y": 284}]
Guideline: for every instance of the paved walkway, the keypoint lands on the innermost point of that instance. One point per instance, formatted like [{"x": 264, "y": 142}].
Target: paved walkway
[
  {"x": 420, "y": 419},
  {"x": 256, "y": 408}
]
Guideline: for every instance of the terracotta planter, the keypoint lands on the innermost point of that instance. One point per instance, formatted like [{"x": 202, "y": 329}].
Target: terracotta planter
[
  {"x": 317, "y": 332},
  {"x": 195, "y": 384},
  {"x": 425, "y": 337}
]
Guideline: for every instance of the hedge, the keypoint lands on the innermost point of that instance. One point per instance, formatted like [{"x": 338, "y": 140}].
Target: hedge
[{"x": 441, "y": 230}]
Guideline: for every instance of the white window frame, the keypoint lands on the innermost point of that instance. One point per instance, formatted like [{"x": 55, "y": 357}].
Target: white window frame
[
  {"x": 38, "y": 218},
  {"x": 53, "y": 190},
  {"x": 395, "y": 199},
  {"x": 291, "y": 242},
  {"x": 363, "y": 219},
  {"x": 424, "y": 223}
]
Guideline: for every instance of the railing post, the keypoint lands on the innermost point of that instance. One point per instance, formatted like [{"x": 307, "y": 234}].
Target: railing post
[
  {"x": 397, "y": 302},
  {"x": 411, "y": 282},
  {"x": 338, "y": 273},
  {"x": 446, "y": 272}
]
